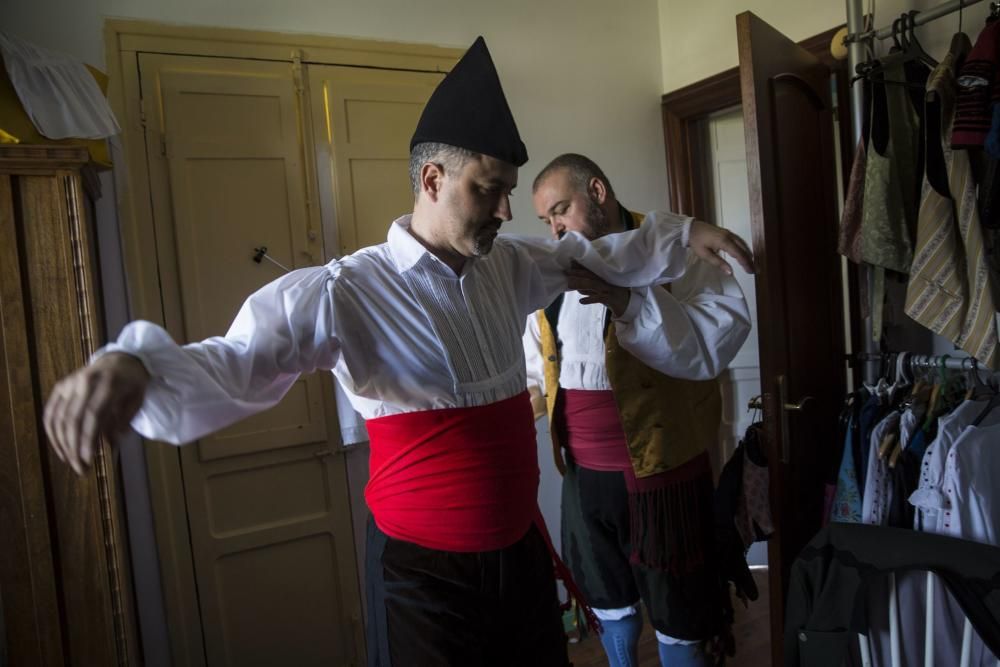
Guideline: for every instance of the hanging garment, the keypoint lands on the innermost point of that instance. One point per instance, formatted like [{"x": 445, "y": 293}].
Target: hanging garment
[
  {"x": 949, "y": 289},
  {"x": 928, "y": 500},
  {"x": 977, "y": 80},
  {"x": 847, "y": 500},
  {"x": 871, "y": 414},
  {"x": 972, "y": 497},
  {"x": 889, "y": 217},
  {"x": 742, "y": 512},
  {"x": 878, "y": 481},
  {"x": 849, "y": 236},
  {"x": 972, "y": 501},
  {"x": 842, "y": 562}
]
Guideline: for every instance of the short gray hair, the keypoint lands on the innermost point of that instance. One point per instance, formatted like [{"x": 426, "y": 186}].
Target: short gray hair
[
  {"x": 451, "y": 158},
  {"x": 580, "y": 169}
]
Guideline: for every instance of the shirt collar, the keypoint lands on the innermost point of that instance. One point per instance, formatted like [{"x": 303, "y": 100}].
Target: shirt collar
[{"x": 407, "y": 251}]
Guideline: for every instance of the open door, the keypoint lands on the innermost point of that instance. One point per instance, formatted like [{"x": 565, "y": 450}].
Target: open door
[{"x": 789, "y": 126}]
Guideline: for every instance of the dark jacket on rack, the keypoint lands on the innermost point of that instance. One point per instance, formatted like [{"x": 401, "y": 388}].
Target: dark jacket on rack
[{"x": 830, "y": 578}]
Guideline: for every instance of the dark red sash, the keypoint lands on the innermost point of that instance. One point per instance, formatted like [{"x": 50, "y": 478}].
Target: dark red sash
[{"x": 594, "y": 434}]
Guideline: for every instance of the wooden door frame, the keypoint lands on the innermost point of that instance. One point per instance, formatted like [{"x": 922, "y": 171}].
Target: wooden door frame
[
  {"x": 683, "y": 110},
  {"x": 152, "y": 291},
  {"x": 687, "y": 155}
]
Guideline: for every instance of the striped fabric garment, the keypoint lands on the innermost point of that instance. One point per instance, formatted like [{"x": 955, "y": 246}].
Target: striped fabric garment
[{"x": 949, "y": 290}]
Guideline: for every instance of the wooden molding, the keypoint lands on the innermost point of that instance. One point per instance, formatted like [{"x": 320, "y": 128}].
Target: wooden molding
[
  {"x": 134, "y": 36},
  {"x": 41, "y": 158},
  {"x": 684, "y": 108}
]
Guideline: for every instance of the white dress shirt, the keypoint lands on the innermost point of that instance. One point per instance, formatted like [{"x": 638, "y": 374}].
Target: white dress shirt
[
  {"x": 693, "y": 331},
  {"x": 878, "y": 480},
  {"x": 972, "y": 501},
  {"x": 399, "y": 329},
  {"x": 929, "y": 498}
]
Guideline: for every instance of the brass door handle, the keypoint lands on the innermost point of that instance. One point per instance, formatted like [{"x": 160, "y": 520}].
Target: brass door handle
[
  {"x": 798, "y": 407},
  {"x": 786, "y": 448}
]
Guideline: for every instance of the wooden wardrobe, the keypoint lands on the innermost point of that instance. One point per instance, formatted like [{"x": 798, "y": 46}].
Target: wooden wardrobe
[{"x": 65, "y": 591}]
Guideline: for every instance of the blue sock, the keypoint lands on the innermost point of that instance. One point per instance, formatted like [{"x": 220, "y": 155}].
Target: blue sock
[
  {"x": 682, "y": 655},
  {"x": 621, "y": 640}
]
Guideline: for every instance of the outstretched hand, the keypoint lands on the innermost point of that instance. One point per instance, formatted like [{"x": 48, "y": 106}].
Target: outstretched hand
[
  {"x": 99, "y": 399},
  {"x": 708, "y": 242}
]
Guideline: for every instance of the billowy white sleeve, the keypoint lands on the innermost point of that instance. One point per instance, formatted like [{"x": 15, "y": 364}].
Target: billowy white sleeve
[
  {"x": 285, "y": 329},
  {"x": 653, "y": 254},
  {"x": 692, "y": 331}
]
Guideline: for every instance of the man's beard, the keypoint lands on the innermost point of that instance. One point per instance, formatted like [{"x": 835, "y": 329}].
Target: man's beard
[
  {"x": 484, "y": 240},
  {"x": 597, "y": 220}
]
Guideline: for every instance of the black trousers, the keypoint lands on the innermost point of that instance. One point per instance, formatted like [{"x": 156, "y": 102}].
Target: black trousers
[
  {"x": 596, "y": 548},
  {"x": 440, "y": 608}
]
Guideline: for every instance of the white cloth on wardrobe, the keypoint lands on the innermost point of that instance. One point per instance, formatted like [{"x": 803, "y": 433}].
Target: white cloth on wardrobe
[
  {"x": 399, "y": 329},
  {"x": 691, "y": 331},
  {"x": 58, "y": 92},
  {"x": 878, "y": 482}
]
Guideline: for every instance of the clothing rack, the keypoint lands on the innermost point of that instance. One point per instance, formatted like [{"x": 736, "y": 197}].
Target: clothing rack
[
  {"x": 926, "y": 360},
  {"x": 920, "y": 18},
  {"x": 855, "y": 55},
  {"x": 911, "y": 361}
]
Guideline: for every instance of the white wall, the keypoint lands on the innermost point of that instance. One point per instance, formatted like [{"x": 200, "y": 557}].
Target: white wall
[
  {"x": 581, "y": 75},
  {"x": 698, "y": 39}
]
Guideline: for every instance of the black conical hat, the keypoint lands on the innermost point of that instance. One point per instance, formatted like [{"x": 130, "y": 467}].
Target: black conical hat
[{"x": 468, "y": 109}]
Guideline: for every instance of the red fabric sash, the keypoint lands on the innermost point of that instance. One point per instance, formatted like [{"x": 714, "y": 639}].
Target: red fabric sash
[
  {"x": 460, "y": 479},
  {"x": 594, "y": 434},
  {"x": 456, "y": 479}
]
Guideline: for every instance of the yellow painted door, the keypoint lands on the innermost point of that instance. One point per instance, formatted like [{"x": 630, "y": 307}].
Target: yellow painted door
[
  {"x": 267, "y": 499},
  {"x": 364, "y": 119}
]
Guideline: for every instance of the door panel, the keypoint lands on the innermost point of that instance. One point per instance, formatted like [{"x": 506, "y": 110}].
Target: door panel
[
  {"x": 793, "y": 207},
  {"x": 368, "y": 117},
  {"x": 267, "y": 498}
]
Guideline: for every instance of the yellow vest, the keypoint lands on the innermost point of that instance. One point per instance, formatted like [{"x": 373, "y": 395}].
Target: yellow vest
[{"x": 667, "y": 421}]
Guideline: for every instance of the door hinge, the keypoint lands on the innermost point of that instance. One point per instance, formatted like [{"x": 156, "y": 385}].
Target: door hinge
[
  {"x": 300, "y": 87},
  {"x": 142, "y": 112},
  {"x": 163, "y": 144}
]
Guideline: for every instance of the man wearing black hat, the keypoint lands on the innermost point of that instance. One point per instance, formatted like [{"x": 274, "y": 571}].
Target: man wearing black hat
[{"x": 424, "y": 334}]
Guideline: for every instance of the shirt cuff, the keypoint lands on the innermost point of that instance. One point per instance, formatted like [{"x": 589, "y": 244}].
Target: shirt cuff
[
  {"x": 635, "y": 300},
  {"x": 686, "y": 233},
  {"x": 115, "y": 347}
]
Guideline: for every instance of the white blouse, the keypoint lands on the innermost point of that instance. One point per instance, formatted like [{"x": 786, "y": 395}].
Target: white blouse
[
  {"x": 972, "y": 503},
  {"x": 399, "y": 329},
  {"x": 693, "y": 331}
]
